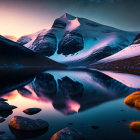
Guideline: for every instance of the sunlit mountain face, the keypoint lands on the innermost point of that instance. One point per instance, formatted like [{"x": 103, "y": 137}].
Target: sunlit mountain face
[{"x": 69, "y": 70}]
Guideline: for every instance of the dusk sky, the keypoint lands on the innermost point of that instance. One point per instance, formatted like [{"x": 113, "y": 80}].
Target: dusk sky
[{"x": 20, "y": 17}]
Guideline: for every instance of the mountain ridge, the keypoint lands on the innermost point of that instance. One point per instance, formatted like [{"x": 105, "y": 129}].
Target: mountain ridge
[{"x": 73, "y": 37}]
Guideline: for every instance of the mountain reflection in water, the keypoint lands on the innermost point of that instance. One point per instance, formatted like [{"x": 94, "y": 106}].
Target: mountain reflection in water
[
  {"x": 65, "y": 93},
  {"x": 66, "y": 89}
]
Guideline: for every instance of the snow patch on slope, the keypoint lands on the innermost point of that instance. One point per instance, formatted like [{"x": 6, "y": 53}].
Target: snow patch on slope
[
  {"x": 72, "y": 24},
  {"x": 131, "y": 51},
  {"x": 34, "y": 36}
]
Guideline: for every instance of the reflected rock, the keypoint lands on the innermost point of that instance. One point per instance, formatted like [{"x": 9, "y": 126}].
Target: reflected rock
[
  {"x": 61, "y": 105},
  {"x": 6, "y": 138},
  {"x": 44, "y": 84},
  {"x": 6, "y": 107},
  {"x": 70, "y": 123},
  {"x": 27, "y": 134},
  {"x": 26, "y": 124},
  {"x": 135, "y": 126},
  {"x": 2, "y": 132},
  {"x": 133, "y": 100},
  {"x": 68, "y": 134},
  {"x": 70, "y": 88},
  {"x": 67, "y": 107},
  {"x": 3, "y": 102},
  {"x": 2, "y": 120},
  {"x": 5, "y": 114},
  {"x": 24, "y": 92},
  {"x": 32, "y": 111},
  {"x": 2, "y": 99}
]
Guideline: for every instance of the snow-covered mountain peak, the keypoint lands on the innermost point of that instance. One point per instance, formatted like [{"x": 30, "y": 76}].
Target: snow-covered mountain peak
[
  {"x": 33, "y": 37},
  {"x": 72, "y": 24},
  {"x": 78, "y": 39},
  {"x": 68, "y": 16},
  {"x": 26, "y": 39}
]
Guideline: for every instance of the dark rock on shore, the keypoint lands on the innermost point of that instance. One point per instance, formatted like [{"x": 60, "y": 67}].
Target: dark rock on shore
[
  {"x": 68, "y": 133},
  {"x": 26, "y": 124},
  {"x": 32, "y": 111}
]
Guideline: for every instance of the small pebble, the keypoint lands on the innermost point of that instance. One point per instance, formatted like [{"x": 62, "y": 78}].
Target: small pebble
[{"x": 95, "y": 127}]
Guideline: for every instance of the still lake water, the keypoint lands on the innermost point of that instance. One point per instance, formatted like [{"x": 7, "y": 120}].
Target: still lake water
[{"x": 78, "y": 99}]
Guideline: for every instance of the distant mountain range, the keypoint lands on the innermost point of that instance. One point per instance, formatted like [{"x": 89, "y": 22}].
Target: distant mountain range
[
  {"x": 13, "y": 38},
  {"x": 78, "y": 41}
]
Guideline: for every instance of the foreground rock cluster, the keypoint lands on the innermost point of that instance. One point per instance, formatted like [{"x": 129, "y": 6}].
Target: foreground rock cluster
[
  {"x": 23, "y": 127},
  {"x": 133, "y": 100},
  {"x": 26, "y": 128},
  {"x": 5, "y": 109}
]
